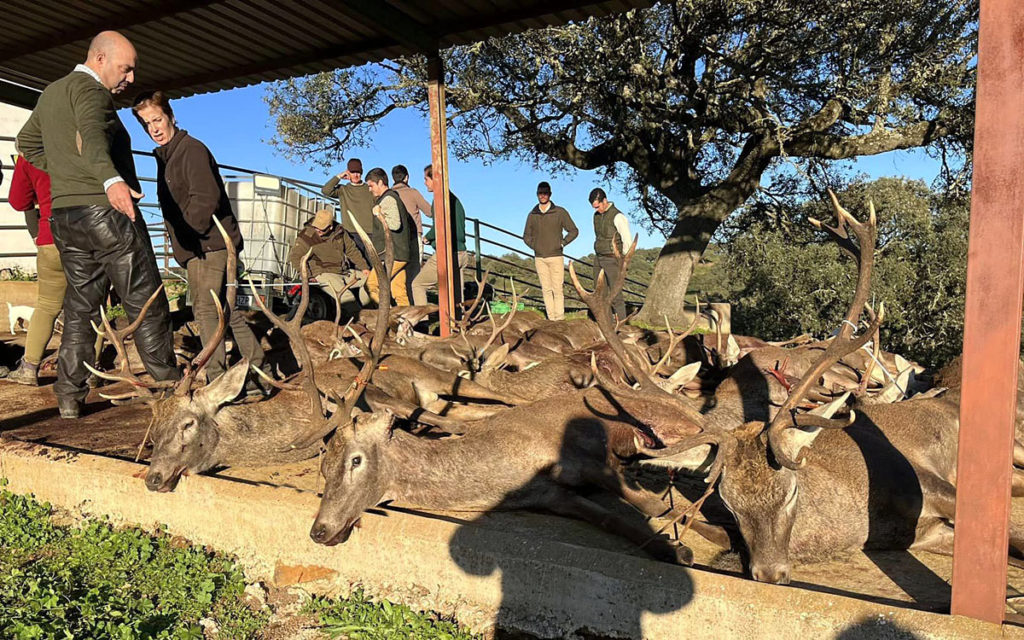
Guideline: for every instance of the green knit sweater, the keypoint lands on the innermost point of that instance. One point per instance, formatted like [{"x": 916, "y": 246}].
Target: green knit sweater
[{"x": 74, "y": 135}]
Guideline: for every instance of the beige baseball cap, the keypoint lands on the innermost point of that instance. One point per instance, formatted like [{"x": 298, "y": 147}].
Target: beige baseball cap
[{"x": 323, "y": 219}]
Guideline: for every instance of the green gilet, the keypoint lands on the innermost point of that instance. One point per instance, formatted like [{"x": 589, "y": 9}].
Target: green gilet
[
  {"x": 606, "y": 236},
  {"x": 402, "y": 239}
]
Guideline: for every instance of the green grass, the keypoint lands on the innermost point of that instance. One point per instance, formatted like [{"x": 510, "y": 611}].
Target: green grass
[
  {"x": 97, "y": 581},
  {"x": 360, "y": 618}
]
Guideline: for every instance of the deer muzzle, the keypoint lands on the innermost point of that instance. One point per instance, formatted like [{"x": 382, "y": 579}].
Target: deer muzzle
[{"x": 772, "y": 574}]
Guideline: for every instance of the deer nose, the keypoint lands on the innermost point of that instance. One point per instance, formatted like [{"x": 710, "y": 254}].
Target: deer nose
[
  {"x": 154, "y": 480},
  {"x": 318, "y": 533},
  {"x": 773, "y": 574}
]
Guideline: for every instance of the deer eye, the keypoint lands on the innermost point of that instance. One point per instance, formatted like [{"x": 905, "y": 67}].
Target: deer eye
[{"x": 356, "y": 461}]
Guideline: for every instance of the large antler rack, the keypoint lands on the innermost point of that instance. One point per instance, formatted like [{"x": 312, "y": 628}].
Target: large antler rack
[
  {"x": 372, "y": 353},
  {"x": 863, "y": 252},
  {"x": 599, "y": 303},
  {"x": 185, "y": 385},
  {"x": 140, "y": 388}
]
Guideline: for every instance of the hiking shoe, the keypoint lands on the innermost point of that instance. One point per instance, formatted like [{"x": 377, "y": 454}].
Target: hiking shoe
[{"x": 25, "y": 374}]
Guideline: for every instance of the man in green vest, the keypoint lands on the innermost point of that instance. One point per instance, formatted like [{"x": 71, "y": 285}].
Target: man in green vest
[
  {"x": 389, "y": 210},
  {"x": 74, "y": 134},
  {"x": 611, "y": 232}
]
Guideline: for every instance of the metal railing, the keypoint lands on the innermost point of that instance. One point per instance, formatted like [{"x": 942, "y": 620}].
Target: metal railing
[{"x": 519, "y": 273}]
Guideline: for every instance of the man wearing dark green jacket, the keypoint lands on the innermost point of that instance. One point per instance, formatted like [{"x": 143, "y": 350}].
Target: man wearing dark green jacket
[
  {"x": 74, "y": 134},
  {"x": 543, "y": 233},
  {"x": 427, "y": 277}
]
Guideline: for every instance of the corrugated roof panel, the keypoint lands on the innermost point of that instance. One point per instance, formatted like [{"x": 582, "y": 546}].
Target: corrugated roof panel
[{"x": 195, "y": 46}]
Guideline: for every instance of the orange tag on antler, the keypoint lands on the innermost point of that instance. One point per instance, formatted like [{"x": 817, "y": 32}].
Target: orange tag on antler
[{"x": 382, "y": 367}]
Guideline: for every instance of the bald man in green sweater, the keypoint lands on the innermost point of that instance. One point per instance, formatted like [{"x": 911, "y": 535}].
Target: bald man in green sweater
[{"x": 74, "y": 134}]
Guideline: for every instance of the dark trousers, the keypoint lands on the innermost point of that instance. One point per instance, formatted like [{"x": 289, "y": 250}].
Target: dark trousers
[
  {"x": 100, "y": 246},
  {"x": 206, "y": 274},
  {"x": 611, "y": 271}
]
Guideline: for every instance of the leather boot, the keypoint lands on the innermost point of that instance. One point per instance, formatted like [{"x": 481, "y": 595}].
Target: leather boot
[
  {"x": 70, "y": 409},
  {"x": 25, "y": 374}
]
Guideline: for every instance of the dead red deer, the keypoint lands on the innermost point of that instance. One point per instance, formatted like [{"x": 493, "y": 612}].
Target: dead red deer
[
  {"x": 807, "y": 486},
  {"x": 534, "y": 456}
]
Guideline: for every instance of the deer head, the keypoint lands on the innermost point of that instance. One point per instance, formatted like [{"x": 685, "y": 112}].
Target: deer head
[
  {"x": 758, "y": 464},
  {"x": 184, "y": 427},
  {"x": 357, "y": 476}
]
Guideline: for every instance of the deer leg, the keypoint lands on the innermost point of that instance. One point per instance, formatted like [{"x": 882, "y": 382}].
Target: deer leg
[{"x": 660, "y": 547}]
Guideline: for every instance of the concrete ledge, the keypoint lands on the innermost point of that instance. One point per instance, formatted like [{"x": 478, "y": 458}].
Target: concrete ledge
[{"x": 481, "y": 575}]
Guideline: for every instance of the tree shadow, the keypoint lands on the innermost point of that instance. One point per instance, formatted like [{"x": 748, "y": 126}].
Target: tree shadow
[
  {"x": 875, "y": 628},
  {"x": 895, "y": 503},
  {"x": 575, "y": 587}
]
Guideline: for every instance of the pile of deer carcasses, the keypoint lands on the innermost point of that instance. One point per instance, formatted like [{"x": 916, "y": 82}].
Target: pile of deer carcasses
[{"x": 814, "y": 447}]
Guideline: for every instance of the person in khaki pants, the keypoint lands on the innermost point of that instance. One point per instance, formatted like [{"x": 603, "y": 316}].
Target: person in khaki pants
[
  {"x": 389, "y": 210},
  {"x": 544, "y": 234},
  {"x": 30, "y": 187}
]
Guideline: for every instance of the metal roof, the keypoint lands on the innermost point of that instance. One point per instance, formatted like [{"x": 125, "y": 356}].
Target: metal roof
[{"x": 188, "y": 47}]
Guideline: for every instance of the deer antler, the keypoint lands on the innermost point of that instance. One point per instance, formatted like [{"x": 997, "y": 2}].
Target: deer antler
[
  {"x": 495, "y": 329},
  {"x": 468, "y": 316},
  {"x": 292, "y": 329},
  {"x": 673, "y": 341},
  {"x": 231, "y": 275},
  {"x": 599, "y": 303},
  {"x": 844, "y": 342},
  {"x": 344, "y": 404},
  {"x": 117, "y": 338}
]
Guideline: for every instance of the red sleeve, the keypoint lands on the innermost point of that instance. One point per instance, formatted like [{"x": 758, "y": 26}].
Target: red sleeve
[{"x": 22, "y": 196}]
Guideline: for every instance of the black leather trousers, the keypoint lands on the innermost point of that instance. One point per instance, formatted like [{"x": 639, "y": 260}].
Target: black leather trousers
[{"x": 100, "y": 246}]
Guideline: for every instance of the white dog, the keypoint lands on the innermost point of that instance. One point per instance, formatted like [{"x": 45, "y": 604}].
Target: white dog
[{"x": 22, "y": 313}]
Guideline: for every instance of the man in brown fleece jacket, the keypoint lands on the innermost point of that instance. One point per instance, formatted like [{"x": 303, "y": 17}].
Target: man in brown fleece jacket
[{"x": 543, "y": 234}]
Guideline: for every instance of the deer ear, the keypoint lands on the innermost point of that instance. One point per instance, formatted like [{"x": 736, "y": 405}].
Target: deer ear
[
  {"x": 792, "y": 441},
  {"x": 379, "y": 423},
  {"x": 496, "y": 359},
  {"x": 225, "y": 388}
]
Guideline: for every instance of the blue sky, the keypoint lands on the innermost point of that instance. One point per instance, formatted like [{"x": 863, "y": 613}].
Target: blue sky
[{"x": 237, "y": 127}]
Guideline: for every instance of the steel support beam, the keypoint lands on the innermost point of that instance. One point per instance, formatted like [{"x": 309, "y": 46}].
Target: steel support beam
[
  {"x": 18, "y": 95},
  {"x": 995, "y": 287},
  {"x": 442, "y": 212}
]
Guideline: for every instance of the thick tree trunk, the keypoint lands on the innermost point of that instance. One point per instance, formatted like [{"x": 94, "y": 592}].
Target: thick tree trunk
[{"x": 684, "y": 247}]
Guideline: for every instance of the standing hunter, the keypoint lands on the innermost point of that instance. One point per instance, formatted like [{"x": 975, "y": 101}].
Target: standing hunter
[
  {"x": 611, "y": 233},
  {"x": 74, "y": 134},
  {"x": 389, "y": 210},
  {"x": 354, "y": 198},
  {"x": 543, "y": 233},
  {"x": 191, "y": 194}
]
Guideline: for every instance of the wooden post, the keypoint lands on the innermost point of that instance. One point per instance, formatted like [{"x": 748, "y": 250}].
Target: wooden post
[
  {"x": 995, "y": 286},
  {"x": 442, "y": 215}
]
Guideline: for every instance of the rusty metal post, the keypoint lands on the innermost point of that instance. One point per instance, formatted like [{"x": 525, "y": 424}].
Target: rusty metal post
[
  {"x": 442, "y": 215},
  {"x": 995, "y": 286}
]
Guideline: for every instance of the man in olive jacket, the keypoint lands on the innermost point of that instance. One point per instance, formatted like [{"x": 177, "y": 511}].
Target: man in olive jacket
[
  {"x": 334, "y": 255},
  {"x": 74, "y": 134},
  {"x": 354, "y": 198},
  {"x": 543, "y": 234}
]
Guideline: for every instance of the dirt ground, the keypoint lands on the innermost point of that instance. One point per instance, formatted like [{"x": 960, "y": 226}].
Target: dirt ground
[{"x": 918, "y": 580}]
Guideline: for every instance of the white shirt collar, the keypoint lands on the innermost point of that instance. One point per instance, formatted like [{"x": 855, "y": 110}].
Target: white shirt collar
[{"x": 85, "y": 69}]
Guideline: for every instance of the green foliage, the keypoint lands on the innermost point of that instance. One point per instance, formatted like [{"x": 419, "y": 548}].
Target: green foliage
[
  {"x": 99, "y": 582},
  {"x": 18, "y": 274},
  {"x": 785, "y": 278},
  {"x": 360, "y": 618}
]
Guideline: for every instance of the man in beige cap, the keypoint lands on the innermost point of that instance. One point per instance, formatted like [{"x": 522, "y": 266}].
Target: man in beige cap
[
  {"x": 354, "y": 198},
  {"x": 335, "y": 255}
]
